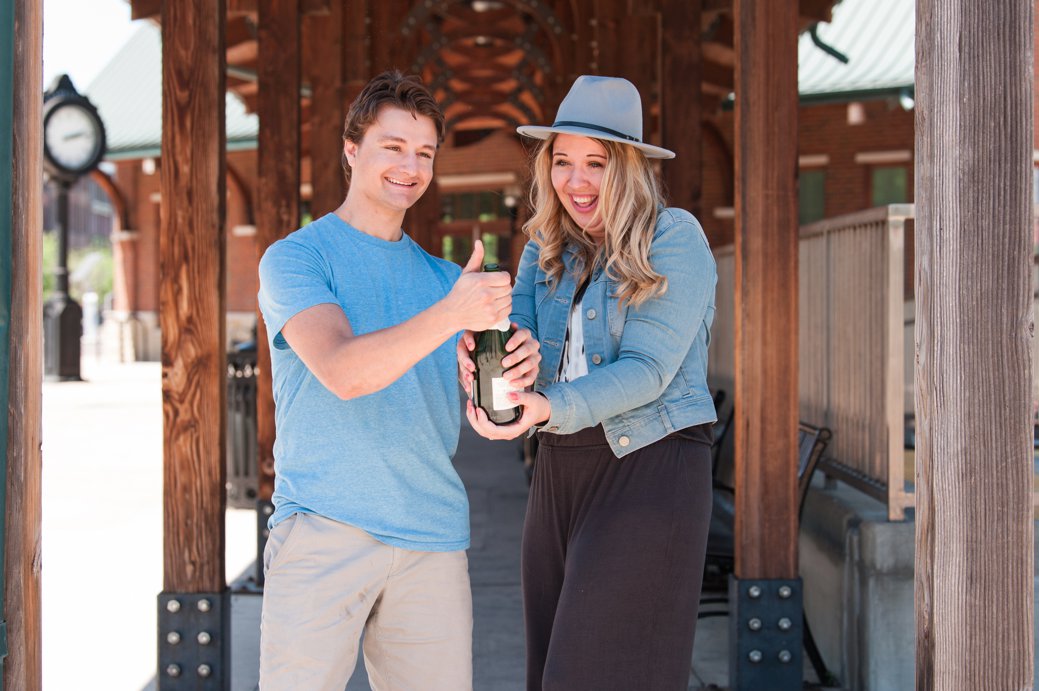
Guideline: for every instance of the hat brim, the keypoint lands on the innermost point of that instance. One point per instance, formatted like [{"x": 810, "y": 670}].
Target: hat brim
[{"x": 541, "y": 132}]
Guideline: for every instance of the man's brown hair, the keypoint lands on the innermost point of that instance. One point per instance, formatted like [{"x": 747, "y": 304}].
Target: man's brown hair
[{"x": 391, "y": 88}]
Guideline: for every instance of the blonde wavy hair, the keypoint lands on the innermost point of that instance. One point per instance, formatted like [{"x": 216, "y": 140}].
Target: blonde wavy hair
[{"x": 629, "y": 195}]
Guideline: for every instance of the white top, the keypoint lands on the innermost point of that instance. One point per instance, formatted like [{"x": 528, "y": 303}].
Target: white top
[{"x": 574, "y": 364}]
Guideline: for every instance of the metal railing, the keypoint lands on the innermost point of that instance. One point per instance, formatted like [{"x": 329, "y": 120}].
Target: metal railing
[{"x": 851, "y": 345}]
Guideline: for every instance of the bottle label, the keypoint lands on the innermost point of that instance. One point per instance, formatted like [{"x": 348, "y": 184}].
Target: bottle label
[{"x": 500, "y": 388}]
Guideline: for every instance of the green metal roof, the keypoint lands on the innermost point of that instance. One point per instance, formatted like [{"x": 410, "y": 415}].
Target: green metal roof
[
  {"x": 877, "y": 36},
  {"x": 128, "y": 94}
]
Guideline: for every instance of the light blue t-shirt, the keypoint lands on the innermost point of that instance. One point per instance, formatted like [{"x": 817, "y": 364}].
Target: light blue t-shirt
[{"x": 380, "y": 462}]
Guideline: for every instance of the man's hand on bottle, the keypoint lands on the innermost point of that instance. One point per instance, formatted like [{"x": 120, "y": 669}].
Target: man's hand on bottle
[{"x": 479, "y": 300}]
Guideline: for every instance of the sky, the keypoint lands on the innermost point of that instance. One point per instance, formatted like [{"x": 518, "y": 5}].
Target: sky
[{"x": 81, "y": 36}]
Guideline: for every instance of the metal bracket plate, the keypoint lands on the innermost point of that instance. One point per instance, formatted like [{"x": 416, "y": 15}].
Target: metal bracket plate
[
  {"x": 194, "y": 641},
  {"x": 766, "y": 634}
]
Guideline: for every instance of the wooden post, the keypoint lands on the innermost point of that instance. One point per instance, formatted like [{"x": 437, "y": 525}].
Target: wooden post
[
  {"x": 974, "y": 524},
  {"x": 277, "y": 209},
  {"x": 192, "y": 295},
  {"x": 324, "y": 53},
  {"x": 21, "y": 225},
  {"x": 680, "y": 103},
  {"x": 357, "y": 60},
  {"x": 766, "y": 289},
  {"x": 766, "y": 359},
  {"x": 628, "y": 41}
]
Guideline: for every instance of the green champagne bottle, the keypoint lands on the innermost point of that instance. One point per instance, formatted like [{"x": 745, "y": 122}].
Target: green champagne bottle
[{"x": 490, "y": 388}]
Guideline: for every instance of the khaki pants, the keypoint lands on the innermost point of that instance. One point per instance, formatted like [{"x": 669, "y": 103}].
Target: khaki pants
[{"x": 326, "y": 582}]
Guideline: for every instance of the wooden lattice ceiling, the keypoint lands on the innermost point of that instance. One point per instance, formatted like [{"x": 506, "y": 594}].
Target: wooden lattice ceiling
[
  {"x": 491, "y": 63},
  {"x": 487, "y": 60}
]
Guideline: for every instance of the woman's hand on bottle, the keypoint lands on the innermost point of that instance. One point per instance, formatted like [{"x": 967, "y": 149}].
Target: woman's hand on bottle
[
  {"x": 524, "y": 359},
  {"x": 522, "y": 364},
  {"x": 536, "y": 409},
  {"x": 466, "y": 366}
]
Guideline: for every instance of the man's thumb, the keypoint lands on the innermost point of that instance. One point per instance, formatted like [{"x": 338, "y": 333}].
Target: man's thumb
[{"x": 475, "y": 259}]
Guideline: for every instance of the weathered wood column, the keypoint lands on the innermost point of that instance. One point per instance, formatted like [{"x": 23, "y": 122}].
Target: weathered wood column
[
  {"x": 680, "y": 102},
  {"x": 324, "y": 60},
  {"x": 277, "y": 206},
  {"x": 628, "y": 40},
  {"x": 357, "y": 59},
  {"x": 21, "y": 334},
  {"x": 192, "y": 295},
  {"x": 766, "y": 346},
  {"x": 974, "y": 554}
]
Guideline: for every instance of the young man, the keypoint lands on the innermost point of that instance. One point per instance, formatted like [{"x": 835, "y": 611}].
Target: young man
[{"x": 371, "y": 522}]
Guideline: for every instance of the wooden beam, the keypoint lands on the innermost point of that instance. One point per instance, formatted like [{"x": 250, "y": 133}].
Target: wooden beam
[
  {"x": 192, "y": 295},
  {"x": 974, "y": 455},
  {"x": 384, "y": 55},
  {"x": 357, "y": 60},
  {"x": 680, "y": 102},
  {"x": 720, "y": 76},
  {"x": 277, "y": 209},
  {"x": 584, "y": 49},
  {"x": 608, "y": 31},
  {"x": 812, "y": 11},
  {"x": 324, "y": 60},
  {"x": 145, "y": 9},
  {"x": 243, "y": 53},
  {"x": 719, "y": 53},
  {"x": 766, "y": 290},
  {"x": 21, "y": 29},
  {"x": 306, "y": 7},
  {"x": 719, "y": 42},
  {"x": 239, "y": 29},
  {"x": 630, "y": 47}
]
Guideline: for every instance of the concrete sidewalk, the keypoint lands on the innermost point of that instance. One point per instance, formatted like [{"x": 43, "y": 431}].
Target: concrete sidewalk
[{"x": 102, "y": 546}]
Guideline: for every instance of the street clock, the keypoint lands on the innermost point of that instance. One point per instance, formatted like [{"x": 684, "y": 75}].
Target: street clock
[{"x": 73, "y": 134}]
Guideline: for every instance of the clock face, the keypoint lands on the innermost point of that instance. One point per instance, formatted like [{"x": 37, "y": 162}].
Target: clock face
[{"x": 72, "y": 137}]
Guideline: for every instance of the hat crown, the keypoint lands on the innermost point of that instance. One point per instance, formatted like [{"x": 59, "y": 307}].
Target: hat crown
[
  {"x": 606, "y": 108},
  {"x": 604, "y": 102}
]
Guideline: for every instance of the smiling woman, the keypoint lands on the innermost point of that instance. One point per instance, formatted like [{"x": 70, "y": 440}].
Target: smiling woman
[{"x": 619, "y": 291}]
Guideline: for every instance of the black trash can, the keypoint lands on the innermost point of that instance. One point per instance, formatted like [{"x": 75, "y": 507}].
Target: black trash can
[{"x": 242, "y": 455}]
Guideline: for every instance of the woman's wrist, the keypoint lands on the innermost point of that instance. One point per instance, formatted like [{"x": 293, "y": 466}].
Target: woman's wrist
[{"x": 539, "y": 425}]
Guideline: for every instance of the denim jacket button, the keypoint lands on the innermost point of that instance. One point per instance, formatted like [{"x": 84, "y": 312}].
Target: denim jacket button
[
  {"x": 623, "y": 441},
  {"x": 596, "y": 359},
  {"x": 590, "y": 314}
]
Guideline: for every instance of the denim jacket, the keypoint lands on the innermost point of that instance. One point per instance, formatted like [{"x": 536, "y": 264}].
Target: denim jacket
[{"x": 647, "y": 366}]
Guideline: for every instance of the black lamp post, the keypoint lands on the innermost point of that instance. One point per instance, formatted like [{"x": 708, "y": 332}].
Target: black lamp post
[{"x": 73, "y": 145}]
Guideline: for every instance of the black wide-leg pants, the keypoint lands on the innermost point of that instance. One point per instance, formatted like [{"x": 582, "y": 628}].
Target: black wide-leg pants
[{"x": 612, "y": 561}]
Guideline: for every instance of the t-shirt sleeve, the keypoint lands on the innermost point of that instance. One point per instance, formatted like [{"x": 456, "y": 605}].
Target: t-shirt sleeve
[{"x": 293, "y": 277}]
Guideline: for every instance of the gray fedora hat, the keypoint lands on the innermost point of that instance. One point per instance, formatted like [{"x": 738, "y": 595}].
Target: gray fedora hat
[{"x": 602, "y": 107}]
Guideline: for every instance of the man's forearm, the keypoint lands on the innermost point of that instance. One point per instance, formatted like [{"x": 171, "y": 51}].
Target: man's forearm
[{"x": 364, "y": 364}]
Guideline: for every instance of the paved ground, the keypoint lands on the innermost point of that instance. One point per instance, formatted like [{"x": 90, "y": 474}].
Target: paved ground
[{"x": 102, "y": 546}]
